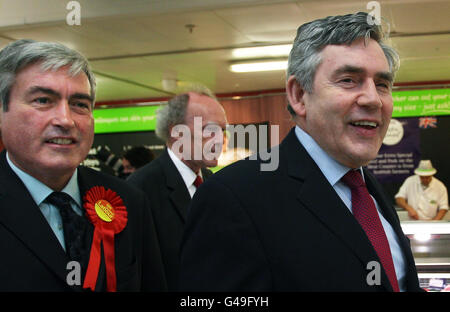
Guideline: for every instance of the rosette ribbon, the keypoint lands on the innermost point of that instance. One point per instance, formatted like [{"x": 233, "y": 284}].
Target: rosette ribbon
[{"x": 108, "y": 214}]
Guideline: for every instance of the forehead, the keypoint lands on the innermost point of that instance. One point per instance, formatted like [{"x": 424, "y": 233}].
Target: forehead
[
  {"x": 364, "y": 54},
  {"x": 206, "y": 107},
  {"x": 201, "y": 99},
  {"x": 34, "y": 75}
]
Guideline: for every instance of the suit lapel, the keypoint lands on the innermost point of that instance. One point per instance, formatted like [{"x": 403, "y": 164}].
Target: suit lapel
[
  {"x": 178, "y": 193},
  {"x": 319, "y": 197},
  {"x": 20, "y": 214}
]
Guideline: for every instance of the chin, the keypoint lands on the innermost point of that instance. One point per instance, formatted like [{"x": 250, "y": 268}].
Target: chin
[
  {"x": 361, "y": 160},
  {"x": 63, "y": 165}
]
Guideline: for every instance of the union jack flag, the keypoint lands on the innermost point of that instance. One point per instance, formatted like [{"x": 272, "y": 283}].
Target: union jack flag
[{"x": 427, "y": 122}]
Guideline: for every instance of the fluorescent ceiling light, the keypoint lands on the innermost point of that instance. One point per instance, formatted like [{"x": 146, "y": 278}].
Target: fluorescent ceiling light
[
  {"x": 258, "y": 66},
  {"x": 265, "y": 51}
]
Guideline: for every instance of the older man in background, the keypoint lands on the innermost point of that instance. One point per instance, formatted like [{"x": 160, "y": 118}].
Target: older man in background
[{"x": 192, "y": 126}]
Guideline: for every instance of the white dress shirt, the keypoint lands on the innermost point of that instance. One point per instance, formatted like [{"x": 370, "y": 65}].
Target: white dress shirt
[
  {"x": 187, "y": 174},
  {"x": 333, "y": 172}
]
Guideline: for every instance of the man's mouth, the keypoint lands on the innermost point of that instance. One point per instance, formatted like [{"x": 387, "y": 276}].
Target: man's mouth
[
  {"x": 366, "y": 124},
  {"x": 61, "y": 141}
]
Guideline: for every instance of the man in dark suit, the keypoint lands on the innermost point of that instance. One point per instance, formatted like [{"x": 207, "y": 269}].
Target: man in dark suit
[
  {"x": 192, "y": 126},
  {"x": 64, "y": 227},
  {"x": 317, "y": 222}
]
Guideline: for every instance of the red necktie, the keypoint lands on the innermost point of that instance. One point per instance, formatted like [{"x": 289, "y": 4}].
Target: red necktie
[
  {"x": 198, "y": 181},
  {"x": 366, "y": 213}
]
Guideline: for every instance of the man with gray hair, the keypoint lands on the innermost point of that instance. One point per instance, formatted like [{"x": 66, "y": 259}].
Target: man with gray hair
[
  {"x": 64, "y": 227},
  {"x": 192, "y": 126},
  {"x": 318, "y": 222}
]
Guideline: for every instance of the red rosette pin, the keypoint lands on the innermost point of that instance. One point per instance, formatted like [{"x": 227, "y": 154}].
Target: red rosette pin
[{"x": 108, "y": 214}]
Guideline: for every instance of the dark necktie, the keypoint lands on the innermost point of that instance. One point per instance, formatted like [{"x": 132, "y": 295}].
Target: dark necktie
[
  {"x": 74, "y": 226},
  {"x": 198, "y": 181},
  {"x": 366, "y": 213}
]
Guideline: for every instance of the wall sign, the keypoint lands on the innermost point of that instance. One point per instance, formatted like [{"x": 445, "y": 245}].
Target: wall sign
[
  {"x": 418, "y": 103},
  {"x": 125, "y": 119}
]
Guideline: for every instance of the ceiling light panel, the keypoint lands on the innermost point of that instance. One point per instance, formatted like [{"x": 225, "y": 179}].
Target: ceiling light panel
[
  {"x": 264, "y": 51},
  {"x": 258, "y": 66}
]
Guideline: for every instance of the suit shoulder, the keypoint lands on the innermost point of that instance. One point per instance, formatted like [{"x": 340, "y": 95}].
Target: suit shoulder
[
  {"x": 109, "y": 181},
  {"x": 141, "y": 176},
  {"x": 244, "y": 173}
]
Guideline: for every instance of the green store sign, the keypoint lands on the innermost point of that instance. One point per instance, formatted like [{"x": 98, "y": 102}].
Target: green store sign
[
  {"x": 418, "y": 103},
  {"x": 125, "y": 119},
  {"x": 414, "y": 103}
]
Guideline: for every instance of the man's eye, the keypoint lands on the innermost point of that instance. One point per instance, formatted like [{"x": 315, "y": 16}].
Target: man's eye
[
  {"x": 347, "y": 80},
  {"x": 82, "y": 105},
  {"x": 42, "y": 100},
  {"x": 383, "y": 85}
]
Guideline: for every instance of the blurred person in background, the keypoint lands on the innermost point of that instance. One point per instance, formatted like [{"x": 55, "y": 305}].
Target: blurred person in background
[
  {"x": 135, "y": 158},
  {"x": 422, "y": 195}
]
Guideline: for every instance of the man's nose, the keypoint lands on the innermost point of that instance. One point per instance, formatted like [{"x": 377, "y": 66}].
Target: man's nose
[
  {"x": 62, "y": 115},
  {"x": 369, "y": 95}
]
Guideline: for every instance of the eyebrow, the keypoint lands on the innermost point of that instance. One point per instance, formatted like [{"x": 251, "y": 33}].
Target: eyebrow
[
  {"x": 348, "y": 69},
  {"x": 82, "y": 96},
  {"x": 38, "y": 89}
]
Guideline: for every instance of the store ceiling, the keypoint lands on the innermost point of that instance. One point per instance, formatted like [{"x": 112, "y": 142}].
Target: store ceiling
[{"x": 135, "y": 45}]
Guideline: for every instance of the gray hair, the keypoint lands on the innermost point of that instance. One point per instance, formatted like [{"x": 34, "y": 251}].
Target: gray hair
[
  {"x": 174, "y": 112},
  {"x": 19, "y": 54},
  {"x": 312, "y": 37}
]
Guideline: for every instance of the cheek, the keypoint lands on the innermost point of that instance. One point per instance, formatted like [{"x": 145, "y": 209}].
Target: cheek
[
  {"x": 86, "y": 127},
  {"x": 387, "y": 109},
  {"x": 21, "y": 129},
  {"x": 327, "y": 119}
]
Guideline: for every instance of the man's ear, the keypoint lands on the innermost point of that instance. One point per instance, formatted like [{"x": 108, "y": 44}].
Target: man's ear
[{"x": 295, "y": 94}]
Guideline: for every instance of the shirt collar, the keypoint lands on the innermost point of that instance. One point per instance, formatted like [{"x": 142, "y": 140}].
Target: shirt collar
[
  {"x": 187, "y": 174},
  {"x": 331, "y": 169},
  {"x": 39, "y": 191}
]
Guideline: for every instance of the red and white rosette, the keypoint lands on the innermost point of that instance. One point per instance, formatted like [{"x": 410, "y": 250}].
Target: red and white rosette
[{"x": 108, "y": 214}]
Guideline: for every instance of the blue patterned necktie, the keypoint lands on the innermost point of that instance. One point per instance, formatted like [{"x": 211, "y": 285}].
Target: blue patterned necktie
[{"x": 74, "y": 226}]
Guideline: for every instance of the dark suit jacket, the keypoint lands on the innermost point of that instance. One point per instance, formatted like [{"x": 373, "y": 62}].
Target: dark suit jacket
[
  {"x": 282, "y": 230},
  {"x": 32, "y": 258},
  {"x": 169, "y": 199}
]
